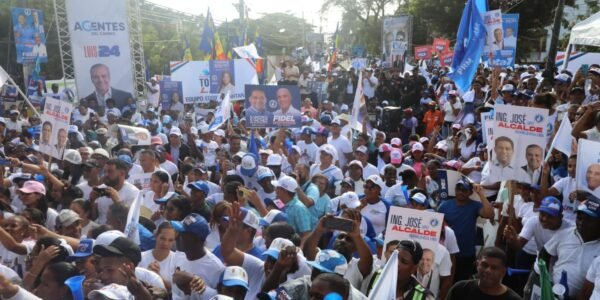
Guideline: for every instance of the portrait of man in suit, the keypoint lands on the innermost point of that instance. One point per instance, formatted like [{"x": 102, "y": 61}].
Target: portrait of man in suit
[{"x": 100, "y": 76}]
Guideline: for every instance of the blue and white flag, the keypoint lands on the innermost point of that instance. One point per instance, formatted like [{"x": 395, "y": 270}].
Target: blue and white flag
[
  {"x": 3, "y": 76},
  {"x": 221, "y": 114},
  {"x": 469, "y": 46},
  {"x": 133, "y": 217},
  {"x": 385, "y": 287},
  {"x": 563, "y": 140}
]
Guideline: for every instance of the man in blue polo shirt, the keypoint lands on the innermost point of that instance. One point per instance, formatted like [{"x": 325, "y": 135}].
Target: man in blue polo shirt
[{"x": 299, "y": 216}]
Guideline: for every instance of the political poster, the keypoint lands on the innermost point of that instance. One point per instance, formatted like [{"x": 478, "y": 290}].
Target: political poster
[
  {"x": 135, "y": 136},
  {"x": 170, "y": 93},
  {"x": 422, "y": 52},
  {"x": 35, "y": 89},
  {"x": 446, "y": 59},
  {"x": 9, "y": 93},
  {"x": 518, "y": 144},
  {"x": 494, "y": 39},
  {"x": 206, "y": 81},
  {"x": 30, "y": 38},
  {"x": 587, "y": 174},
  {"x": 441, "y": 45},
  {"x": 418, "y": 225},
  {"x": 502, "y": 50},
  {"x": 487, "y": 126},
  {"x": 396, "y": 35},
  {"x": 272, "y": 106},
  {"x": 55, "y": 127},
  {"x": 101, "y": 53}
]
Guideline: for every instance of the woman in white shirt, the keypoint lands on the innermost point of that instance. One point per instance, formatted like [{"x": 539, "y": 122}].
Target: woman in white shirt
[
  {"x": 159, "y": 187},
  {"x": 83, "y": 208},
  {"x": 468, "y": 147},
  {"x": 161, "y": 260}
]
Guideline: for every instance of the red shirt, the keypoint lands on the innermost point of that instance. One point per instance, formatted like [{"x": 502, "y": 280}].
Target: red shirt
[{"x": 431, "y": 120}]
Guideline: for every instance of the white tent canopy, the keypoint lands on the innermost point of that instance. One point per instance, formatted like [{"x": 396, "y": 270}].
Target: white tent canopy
[{"x": 586, "y": 32}]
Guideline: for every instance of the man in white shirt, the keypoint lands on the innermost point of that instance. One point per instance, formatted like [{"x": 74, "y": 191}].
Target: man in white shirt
[
  {"x": 499, "y": 169},
  {"x": 114, "y": 189},
  {"x": 341, "y": 143},
  {"x": 308, "y": 149},
  {"x": 13, "y": 123},
  {"x": 39, "y": 49},
  {"x": 362, "y": 154},
  {"x": 531, "y": 172},
  {"x": 370, "y": 83},
  {"x": 153, "y": 92},
  {"x": 207, "y": 146}
]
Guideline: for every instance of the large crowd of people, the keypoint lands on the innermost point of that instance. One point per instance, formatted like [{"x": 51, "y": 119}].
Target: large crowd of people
[{"x": 301, "y": 213}]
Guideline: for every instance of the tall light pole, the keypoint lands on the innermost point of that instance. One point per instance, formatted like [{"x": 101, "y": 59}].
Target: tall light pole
[{"x": 551, "y": 59}]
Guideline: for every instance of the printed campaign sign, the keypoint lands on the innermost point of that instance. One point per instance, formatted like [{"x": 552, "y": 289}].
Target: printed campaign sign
[
  {"x": 30, "y": 38},
  {"x": 494, "y": 40},
  {"x": 418, "y": 225},
  {"x": 441, "y": 45},
  {"x": 395, "y": 37},
  {"x": 588, "y": 167},
  {"x": 272, "y": 106},
  {"x": 206, "y": 81},
  {"x": 9, "y": 93},
  {"x": 487, "y": 126},
  {"x": 446, "y": 59},
  {"x": 32, "y": 89},
  {"x": 55, "y": 127},
  {"x": 518, "y": 144},
  {"x": 170, "y": 93},
  {"x": 135, "y": 136},
  {"x": 504, "y": 51},
  {"x": 423, "y": 52}
]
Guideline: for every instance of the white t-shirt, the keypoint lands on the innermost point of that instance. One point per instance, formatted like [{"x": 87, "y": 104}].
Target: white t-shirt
[
  {"x": 566, "y": 186},
  {"x": 593, "y": 276},
  {"x": 51, "y": 215},
  {"x": 153, "y": 98},
  {"x": 209, "y": 150},
  {"x": 308, "y": 153},
  {"x": 343, "y": 146},
  {"x": 150, "y": 278},
  {"x": 448, "y": 115},
  {"x": 209, "y": 268},
  {"x": 573, "y": 256},
  {"x": 395, "y": 195},
  {"x": 475, "y": 176},
  {"x": 592, "y": 134},
  {"x": 86, "y": 189},
  {"x": 15, "y": 261},
  {"x": 376, "y": 213},
  {"x": 170, "y": 167},
  {"x": 128, "y": 193},
  {"x": 167, "y": 265},
  {"x": 332, "y": 172},
  {"x": 533, "y": 229},
  {"x": 148, "y": 201},
  {"x": 442, "y": 267},
  {"x": 450, "y": 242}
]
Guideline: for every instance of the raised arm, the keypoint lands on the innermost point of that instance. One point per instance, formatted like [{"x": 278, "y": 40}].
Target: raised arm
[{"x": 231, "y": 255}]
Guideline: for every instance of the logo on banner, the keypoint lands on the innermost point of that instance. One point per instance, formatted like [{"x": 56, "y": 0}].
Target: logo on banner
[
  {"x": 99, "y": 28},
  {"x": 101, "y": 51},
  {"x": 273, "y": 104}
]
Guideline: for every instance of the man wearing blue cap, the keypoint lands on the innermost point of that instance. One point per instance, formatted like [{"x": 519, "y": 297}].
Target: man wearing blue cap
[
  {"x": 461, "y": 215},
  {"x": 198, "y": 192},
  {"x": 247, "y": 170},
  {"x": 308, "y": 149},
  {"x": 193, "y": 231},
  {"x": 234, "y": 283},
  {"x": 571, "y": 250}
]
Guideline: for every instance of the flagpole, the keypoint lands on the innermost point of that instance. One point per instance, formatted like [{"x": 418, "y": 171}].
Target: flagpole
[{"x": 24, "y": 96}]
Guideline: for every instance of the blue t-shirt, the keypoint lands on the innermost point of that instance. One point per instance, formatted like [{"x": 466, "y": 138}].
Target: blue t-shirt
[
  {"x": 255, "y": 251},
  {"x": 463, "y": 220}
]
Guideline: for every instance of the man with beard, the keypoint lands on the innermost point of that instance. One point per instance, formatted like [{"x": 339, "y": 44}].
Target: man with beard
[
  {"x": 115, "y": 189},
  {"x": 307, "y": 192},
  {"x": 491, "y": 267}
]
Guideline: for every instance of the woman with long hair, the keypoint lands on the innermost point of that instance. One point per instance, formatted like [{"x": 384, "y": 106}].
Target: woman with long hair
[
  {"x": 33, "y": 195},
  {"x": 161, "y": 260}
]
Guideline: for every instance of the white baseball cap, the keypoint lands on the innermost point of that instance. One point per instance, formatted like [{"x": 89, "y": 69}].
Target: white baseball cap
[
  {"x": 235, "y": 276},
  {"x": 396, "y": 142},
  {"x": 175, "y": 131},
  {"x": 287, "y": 183},
  {"x": 72, "y": 156},
  {"x": 329, "y": 149},
  {"x": 376, "y": 179},
  {"x": 350, "y": 200},
  {"x": 417, "y": 147},
  {"x": 102, "y": 152},
  {"x": 362, "y": 149},
  {"x": 112, "y": 291},
  {"x": 274, "y": 160},
  {"x": 277, "y": 245}
]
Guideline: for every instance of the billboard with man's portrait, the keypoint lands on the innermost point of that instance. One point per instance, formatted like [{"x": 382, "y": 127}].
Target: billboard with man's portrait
[
  {"x": 272, "y": 106},
  {"x": 397, "y": 34},
  {"x": 30, "y": 37},
  {"x": 55, "y": 127},
  {"x": 587, "y": 174},
  {"x": 518, "y": 144},
  {"x": 101, "y": 52}
]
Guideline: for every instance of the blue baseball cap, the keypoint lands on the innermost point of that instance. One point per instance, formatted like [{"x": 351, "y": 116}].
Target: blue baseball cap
[
  {"x": 330, "y": 261},
  {"x": 323, "y": 131},
  {"x": 464, "y": 184},
  {"x": 552, "y": 206},
  {"x": 193, "y": 223},
  {"x": 421, "y": 199},
  {"x": 235, "y": 276},
  {"x": 307, "y": 130},
  {"x": 590, "y": 207},
  {"x": 249, "y": 164},
  {"x": 126, "y": 158},
  {"x": 326, "y": 119},
  {"x": 199, "y": 185},
  {"x": 166, "y": 198},
  {"x": 85, "y": 249},
  {"x": 276, "y": 246},
  {"x": 273, "y": 216},
  {"x": 264, "y": 172}
]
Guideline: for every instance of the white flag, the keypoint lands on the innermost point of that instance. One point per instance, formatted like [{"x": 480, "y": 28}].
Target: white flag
[
  {"x": 133, "y": 219},
  {"x": 248, "y": 51},
  {"x": 3, "y": 76},
  {"x": 221, "y": 114},
  {"x": 563, "y": 140},
  {"x": 358, "y": 101},
  {"x": 273, "y": 80},
  {"x": 385, "y": 287}
]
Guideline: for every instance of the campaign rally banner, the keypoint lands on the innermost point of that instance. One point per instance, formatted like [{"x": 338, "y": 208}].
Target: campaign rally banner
[
  {"x": 501, "y": 43},
  {"x": 446, "y": 59},
  {"x": 170, "y": 92},
  {"x": 30, "y": 38},
  {"x": 9, "y": 93},
  {"x": 101, "y": 53},
  {"x": 422, "y": 52},
  {"x": 206, "y": 81},
  {"x": 441, "y": 45},
  {"x": 519, "y": 142},
  {"x": 55, "y": 127},
  {"x": 396, "y": 35},
  {"x": 588, "y": 167},
  {"x": 494, "y": 40},
  {"x": 135, "y": 136},
  {"x": 32, "y": 89},
  {"x": 418, "y": 225},
  {"x": 272, "y": 106}
]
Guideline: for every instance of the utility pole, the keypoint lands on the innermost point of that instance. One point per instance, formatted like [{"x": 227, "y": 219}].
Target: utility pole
[
  {"x": 303, "y": 32},
  {"x": 551, "y": 59}
]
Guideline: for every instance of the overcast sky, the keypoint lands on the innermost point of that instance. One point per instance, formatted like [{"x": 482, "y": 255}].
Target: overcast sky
[{"x": 224, "y": 9}]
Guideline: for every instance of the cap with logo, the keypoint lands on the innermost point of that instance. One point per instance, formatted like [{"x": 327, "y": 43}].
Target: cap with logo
[
  {"x": 287, "y": 183},
  {"x": 121, "y": 246},
  {"x": 417, "y": 147},
  {"x": 362, "y": 149},
  {"x": 193, "y": 223},
  {"x": 263, "y": 173},
  {"x": 355, "y": 163},
  {"x": 249, "y": 164},
  {"x": 350, "y": 200},
  {"x": 330, "y": 261},
  {"x": 200, "y": 185},
  {"x": 508, "y": 88},
  {"x": 250, "y": 218},
  {"x": 552, "y": 206},
  {"x": 175, "y": 131},
  {"x": 277, "y": 245},
  {"x": 112, "y": 291},
  {"x": 465, "y": 184},
  {"x": 329, "y": 149},
  {"x": 396, "y": 142},
  {"x": 322, "y": 131},
  {"x": 273, "y": 216},
  {"x": 307, "y": 130},
  {"x": 235, "y": 276},
  {"x": 385, "y": 147},
  {"x": 85, "y": 249},
  {"x": 419, "y": 198},
  {"x": 376, "y": 179},
  {"x": 590, "y": 207},
  {"x": 396, "y": 156}
]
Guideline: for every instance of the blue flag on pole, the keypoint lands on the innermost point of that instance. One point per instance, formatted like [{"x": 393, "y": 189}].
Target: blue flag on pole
[
  {"x": 252, "y": 146},
  {"x": 470, "y": 40}
]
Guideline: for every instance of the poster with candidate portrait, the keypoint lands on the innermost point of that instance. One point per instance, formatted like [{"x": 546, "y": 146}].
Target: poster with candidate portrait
[
  {"x": 207, "y": 81},
  {"x": 101, "y": 53},
  {"x": 55, "y": 127},
  {"x": 494, "y": 39},
  {"x": 518, "y": 144},
  {"x": 588, "y": 167},
  {"x": 397, "y": 35},
  {"x": 418, "y": 225},
  {"x": 170, "y": 93},
  {"x": 501, "y": 42},
  {"x": 135, "y": 136},
  {"x": 272, "y": 106},
  {"x": 30, "y": 38}
]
